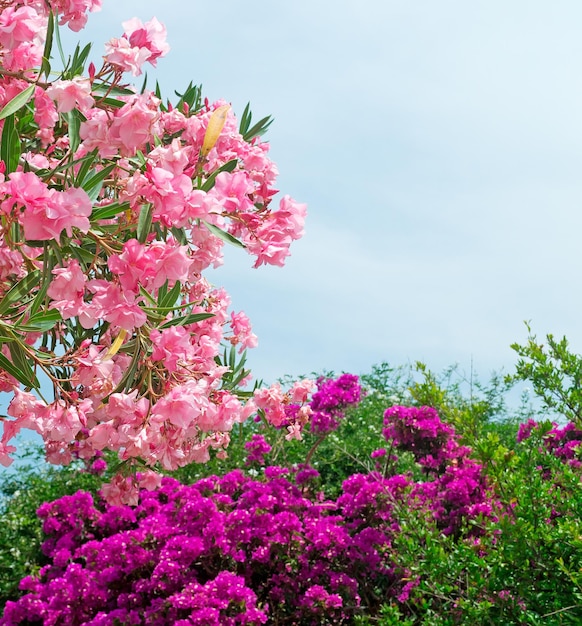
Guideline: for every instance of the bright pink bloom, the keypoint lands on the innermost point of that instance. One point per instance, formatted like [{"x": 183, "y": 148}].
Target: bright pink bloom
[
  {"x": 113, "y": 305},
  {"x": 69, "y": 94},
  {"x": 45, "y": 115},
  {"x": 21, "y": 25},
  {"x": 128, "y": 58},
  {"x": 140, "y": 43},
  {"x": 67, "y": 289},
  {"x": 134, "y": 123},
  {"x": 271, "y": 401},
  {"x": 232, "y": 191},
  {"x": 183, "y": 404},
  {"x": 172, "y": 346},
  {"x": 95, "y": 133},
  {"x": 73, "y": 12},
  {"x": 301, "y": 389},
  {"x": 151, "y": 36},
  {"x": 47, "y": 212},
  {"x": 242, "y": 332}
]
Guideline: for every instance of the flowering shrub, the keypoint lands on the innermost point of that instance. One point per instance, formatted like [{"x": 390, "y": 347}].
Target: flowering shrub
[
  {"x": 163, "y": 561},
  {"x": 489, "y": 535},
  {"x": 563, "y": 442},
  {"x": 113, "y": 203},
  {"x": 292, "y": 555},
  {"x": 459, "y": 490},
  {"x": 330, "y": 401}
]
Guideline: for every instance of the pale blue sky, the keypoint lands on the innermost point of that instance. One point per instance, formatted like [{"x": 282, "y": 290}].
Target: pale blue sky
[{"x": 438, "y": 146}]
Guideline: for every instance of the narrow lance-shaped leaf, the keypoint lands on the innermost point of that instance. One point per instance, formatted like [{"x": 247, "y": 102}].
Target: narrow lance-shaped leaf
[
  {"x": 47, "y": 266},
  {"x": 109, "y": 211},
  {"x": 18, "y": 291},
  {"x": 144, "y": 222},
  {"x": 41, "y": 322},
  {"x": 260, "y": 128},
  {"x": 74, "y": 119},
  {"x": 184, "y": 320},
  {"x": 245, "y": 120},
  {"x": 21, "y": 362},
  {"x": 86, "y": 163},
  {"x": 93, "y": 184},
  {"x": 222, "y": 234},
  {"x": 10, "y": 145},
  {"x": 9, "y": 367},
  {"x": 229, "y": 166},
  {"x": 45, "y": 67},
  {"x": 169, "y": 299},
  {"x": 17, "y": 102}
]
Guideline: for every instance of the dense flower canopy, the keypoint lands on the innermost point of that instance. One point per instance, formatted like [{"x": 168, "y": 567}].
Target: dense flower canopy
[{"x": 113, "y": 203}]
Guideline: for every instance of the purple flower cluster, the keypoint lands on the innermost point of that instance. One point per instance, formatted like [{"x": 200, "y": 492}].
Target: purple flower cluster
[
  {"x": 564, "y": 442},
  {"x": 256, "y": 449},
  {"x": 232, "y": 550},
  {"x": 330, "y": 401},
  {"x": 459, "y": 489},
  {"x": 223, "y": 551},
  {"x": 420, "y": 430}
]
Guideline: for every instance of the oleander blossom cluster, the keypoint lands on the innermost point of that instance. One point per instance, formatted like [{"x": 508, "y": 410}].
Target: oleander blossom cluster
[
  {"x": 113, "y": 203},
  {"x": 254, "y": 551}
]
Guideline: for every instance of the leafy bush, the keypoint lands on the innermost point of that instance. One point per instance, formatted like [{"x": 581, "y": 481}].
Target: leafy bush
[{"x": 409, "y": 519}]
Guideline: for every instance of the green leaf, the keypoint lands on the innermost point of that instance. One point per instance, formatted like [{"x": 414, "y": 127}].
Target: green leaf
[
  {"x": 60, "y": 46},
  {"x": 86, "y": 163},
  {"x": 192, "y": 97},
  {"x": 222, "y": 234},
  {"x": 229, "y": 166},
  {"x": 46, "y": 272},
  {"x": 10, "y": 148},
  {"x": 109, "y": 211},
  {"x": 184, "y": 320},
  {"x": 21, "y": 376},
  {"x": 17, "y": 292},
  {"x": 127, "y": 381},
  {"x": 245, "y": 120},
  {"x": 45, "y": 67},
  {"x": 180, "y": 235},
  {"x": 170, "y": 298},
  {"x": 83, "y": 255},
  {"x": 260, "y": 128},
  {"x": 74, "y": 119},
  {"x": 21, "y": 362},
  {"x": 41, "y": 322},
  {"x": 144, "y": 222},
  {"x": 94, "y": 183},
  {"x": 78, "y": 62},
  {"x": 106, "y": 88},
  {"x": 17, "y": 102}
]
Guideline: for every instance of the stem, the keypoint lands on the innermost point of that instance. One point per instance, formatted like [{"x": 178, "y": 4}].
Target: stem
[{"x": 314, "y": 448}]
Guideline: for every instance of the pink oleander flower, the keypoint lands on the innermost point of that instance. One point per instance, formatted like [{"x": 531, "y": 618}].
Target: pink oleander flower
[
  {"x": 242, "y": 332},
  {"x": 113, "y": 305},
  {"x": 271, "y": 401},
  {"x": 172, "y": 346},
  {"x": 67, "y": 289},
  {"x": 46, "y": 212},
  {"x": 140, "y": 43},
  {"x": 21, "y": 24},
  {"x": 70, "y": 94},
  {"x": 74, "y": 12}
]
